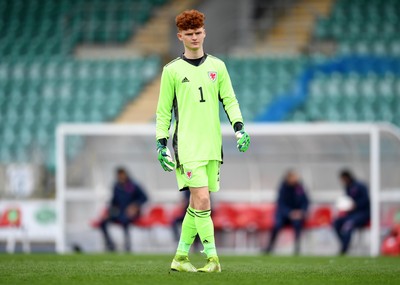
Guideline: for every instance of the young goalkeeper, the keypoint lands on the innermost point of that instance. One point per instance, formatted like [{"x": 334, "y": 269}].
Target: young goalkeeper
[{"x": 192, "y": 86}]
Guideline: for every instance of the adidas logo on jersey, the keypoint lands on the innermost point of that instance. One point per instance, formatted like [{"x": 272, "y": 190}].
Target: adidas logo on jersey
[{"x": 185, "y": 80}]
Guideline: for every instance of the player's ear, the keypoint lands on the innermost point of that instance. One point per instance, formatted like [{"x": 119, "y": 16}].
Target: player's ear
[
  {"x": 204, "y": 31},
  {"x": 179, "y": 35}
]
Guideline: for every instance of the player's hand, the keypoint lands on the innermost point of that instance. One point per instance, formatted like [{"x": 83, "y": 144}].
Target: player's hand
[
  {"x": 296, "y": 215},
  {"x": 243, "y": 140},
  {"x": 164, "y": 157},
  {"x": 132, "y": 211}
]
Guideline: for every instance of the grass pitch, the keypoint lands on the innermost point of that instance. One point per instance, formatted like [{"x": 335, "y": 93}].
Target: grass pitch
[{"x": 117, "y": 269}]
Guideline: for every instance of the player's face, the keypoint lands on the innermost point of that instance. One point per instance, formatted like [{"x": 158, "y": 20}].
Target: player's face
[
  {"x": 344, "y": 181},
  {"x": 292, "y": 179},
  {"x": 192, "y": 39},
  {"x": 121, "y": 177}
]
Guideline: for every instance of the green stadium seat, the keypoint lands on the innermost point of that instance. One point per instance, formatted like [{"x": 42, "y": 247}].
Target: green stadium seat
[
  {"x": 348, "y": 113},
  {"x": 395, "y": 48},
  {"x": 51, "y": 30},
  {"x": 357, "y": 25},
  {"x": 323, "y": 28},
  {"x": 75, "y": 92}
]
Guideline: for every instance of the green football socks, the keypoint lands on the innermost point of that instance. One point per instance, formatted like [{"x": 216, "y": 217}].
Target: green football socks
[
  {"x": 197, "y": 221},
  {"x": 188, "y": 233},
  {"x": 205, "y": 228}
]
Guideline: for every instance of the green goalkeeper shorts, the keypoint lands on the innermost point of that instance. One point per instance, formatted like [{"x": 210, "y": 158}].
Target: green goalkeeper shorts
[{"x": 199, "y": 174}]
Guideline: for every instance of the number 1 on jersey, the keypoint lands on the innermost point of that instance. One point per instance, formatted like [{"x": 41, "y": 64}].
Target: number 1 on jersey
[{"x": 201, "y": 95}]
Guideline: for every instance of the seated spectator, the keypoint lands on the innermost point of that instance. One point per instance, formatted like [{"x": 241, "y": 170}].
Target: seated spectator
[
  {"x": 358, "y": 215},
  {"x": 125, "y": 206},
  {"x": 292, "y": 205}
]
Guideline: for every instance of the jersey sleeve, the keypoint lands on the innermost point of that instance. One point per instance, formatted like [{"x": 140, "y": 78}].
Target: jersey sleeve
[
  {"x": 164, "y": 107},
  {"x": 228, "y": 98}
]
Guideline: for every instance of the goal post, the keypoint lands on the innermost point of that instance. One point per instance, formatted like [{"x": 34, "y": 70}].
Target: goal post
[{"x": 86, "y": 155}]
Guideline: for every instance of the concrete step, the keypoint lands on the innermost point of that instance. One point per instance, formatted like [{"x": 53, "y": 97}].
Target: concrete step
[{"x": 293, "y": 31}]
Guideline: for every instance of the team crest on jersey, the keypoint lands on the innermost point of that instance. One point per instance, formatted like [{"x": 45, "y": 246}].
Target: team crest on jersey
[
  {"x": 212, "y": 75},
  {"x": 189, "y": 174}
]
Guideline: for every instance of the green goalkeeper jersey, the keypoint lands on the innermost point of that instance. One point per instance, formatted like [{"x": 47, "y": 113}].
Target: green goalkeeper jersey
[{"x": 193, "y": 93}]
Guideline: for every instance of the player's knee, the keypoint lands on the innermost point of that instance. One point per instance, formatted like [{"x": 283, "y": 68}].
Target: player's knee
[
  {"x": 202, "y": 203},
  {"x": 201, "y": 199}
]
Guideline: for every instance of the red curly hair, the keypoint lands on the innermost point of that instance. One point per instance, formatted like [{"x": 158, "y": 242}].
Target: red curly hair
[{"x": 189, "y": 19}]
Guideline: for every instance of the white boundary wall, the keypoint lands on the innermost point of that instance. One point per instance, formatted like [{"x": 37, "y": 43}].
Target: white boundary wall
[{"x": 373, "y": 131}]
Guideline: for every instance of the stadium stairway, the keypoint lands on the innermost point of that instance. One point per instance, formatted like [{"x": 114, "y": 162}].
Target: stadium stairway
[
  {"x": 292, "y": 32},
  {"x": 153, "y": 38}
]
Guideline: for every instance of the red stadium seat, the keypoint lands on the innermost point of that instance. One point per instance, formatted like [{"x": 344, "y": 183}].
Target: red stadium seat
[
  {"x": 244, "y": 217},
  {"x": 319, "y": 217},
  {"x": 267, "y": 216},
  {"x": 248, "y": 218},
  {"x": 224, "y": 216},
  {"x": 156, "y": 217}
]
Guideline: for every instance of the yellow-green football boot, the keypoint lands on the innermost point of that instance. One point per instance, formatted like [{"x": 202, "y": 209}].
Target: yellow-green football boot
[
  {"x": 181, "y": 263},
  {"x": 212, "y": 265}
]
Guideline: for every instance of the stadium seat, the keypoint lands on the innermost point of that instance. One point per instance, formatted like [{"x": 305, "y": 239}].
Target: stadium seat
[
  {"x": 352, "y": 96},
  {"x": 257, "y": 81},
  {"x": 224, "y": 217},
  {"x": 44, "y": 93},
  {"x": 361, "y": 28},
  {"x": 156, "y": 216},
  {"x": 319, "y": 217},
  {"x": 53, "y": 30}
]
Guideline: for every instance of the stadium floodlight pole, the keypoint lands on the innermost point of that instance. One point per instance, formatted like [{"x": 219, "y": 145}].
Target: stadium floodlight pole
[{"x": 375, "y": 189}]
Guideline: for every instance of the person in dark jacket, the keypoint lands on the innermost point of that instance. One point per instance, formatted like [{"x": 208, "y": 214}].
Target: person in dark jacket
[
  {"x": 358, "y": 216},
  {"x": 292, "y": 206},
  {"x": 125, "y": 205}
]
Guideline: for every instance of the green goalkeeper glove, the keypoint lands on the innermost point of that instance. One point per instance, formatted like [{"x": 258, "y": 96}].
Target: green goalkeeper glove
[
  {"x": 164, "y": 156},
  {"x": 243, "y": 140}
]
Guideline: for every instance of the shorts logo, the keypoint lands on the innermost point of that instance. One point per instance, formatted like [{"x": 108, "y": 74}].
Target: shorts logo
[
  {"x": 212, "y": 75},
  {"x": 189, "y": 174}
]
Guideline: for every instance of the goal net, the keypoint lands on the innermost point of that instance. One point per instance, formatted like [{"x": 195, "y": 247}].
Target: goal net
[{"x": 88, "y": 154}]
